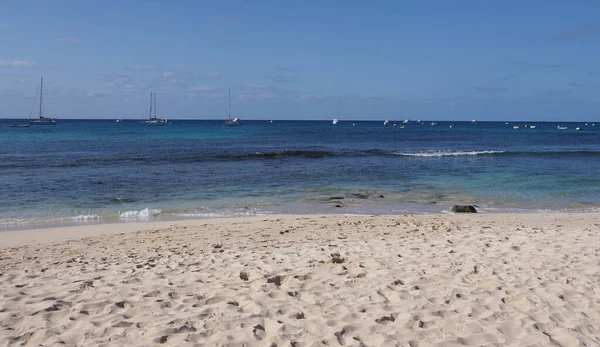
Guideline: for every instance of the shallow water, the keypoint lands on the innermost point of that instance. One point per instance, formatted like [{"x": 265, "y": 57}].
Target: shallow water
[{"x": 83, "y": 171}]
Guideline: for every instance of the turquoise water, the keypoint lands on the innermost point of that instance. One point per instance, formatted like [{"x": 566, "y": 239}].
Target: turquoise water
[{"x": 100, "y": 171}]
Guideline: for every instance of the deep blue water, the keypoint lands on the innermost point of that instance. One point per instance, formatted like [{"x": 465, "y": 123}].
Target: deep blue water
[{"x": 101, "y": 170}]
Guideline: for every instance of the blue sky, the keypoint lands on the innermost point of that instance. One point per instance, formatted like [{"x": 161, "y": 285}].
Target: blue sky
[{"x": 459, "y": 60}]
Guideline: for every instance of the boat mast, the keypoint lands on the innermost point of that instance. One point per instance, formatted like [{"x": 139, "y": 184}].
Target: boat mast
[
  {"x": 154, "y": 105},
  {"x": 150, "y": 105},
  {"x": 41, "y": 92},
  {"x": 229, "y": 106}
]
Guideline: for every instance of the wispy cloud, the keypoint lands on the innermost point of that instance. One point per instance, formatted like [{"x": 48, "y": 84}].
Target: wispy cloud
[
  {"x": 126, "y": 84},
  {"x": 168, "y": 74},
  {"x": 69, "y": 40},
  {"x": 178, "y": 78},
  {"x": 261, "y": 91},
  {"x": 99, "y": 93},
  {"x": 311, "y": 97},
  {"x": 188, "y": 79},
  {"x": 281, "y": 78},
  {"x": 4, "y": 26},
  {"x": 18, "y": 64},
  {"x": 489, "y": 90},
  {"x": 202, "y": 89},
  {"x": 142, "y": 68},
  {"x": 557, "y": 92},
  {"x": 214, "y": 75},
  {"x": 576, "y": 84},
  {"x": 578, "y": 34}
]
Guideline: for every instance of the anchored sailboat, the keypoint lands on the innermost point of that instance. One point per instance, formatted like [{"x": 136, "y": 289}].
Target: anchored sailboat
[
  {"x": 153, "y": 120},
  {"x": 41, "y": 120},
  {"x": 234, "y": 121}
]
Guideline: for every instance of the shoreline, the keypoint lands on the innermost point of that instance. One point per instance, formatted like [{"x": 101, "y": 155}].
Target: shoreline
[
  {"x": 306, "y": 280},
  {"x": 170, "y": 217}
]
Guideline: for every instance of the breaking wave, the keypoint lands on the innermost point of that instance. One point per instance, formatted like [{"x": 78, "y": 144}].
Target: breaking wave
[
  {"x": 432, "y": 154},
  {"x": 146, "y": 213}
]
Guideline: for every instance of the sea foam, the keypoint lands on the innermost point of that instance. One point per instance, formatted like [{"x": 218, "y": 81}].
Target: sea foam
[
  {"x": 86, "y": 217},
  {"x": 431, "y": 154},
  {"x": 146, "y": 213}
]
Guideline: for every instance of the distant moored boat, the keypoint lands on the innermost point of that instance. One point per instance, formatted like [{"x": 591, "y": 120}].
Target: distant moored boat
[
  {"x": 231, "y": 121},
  {"x": 154, "y": 120},
  {"x": 41, "y": 120}
]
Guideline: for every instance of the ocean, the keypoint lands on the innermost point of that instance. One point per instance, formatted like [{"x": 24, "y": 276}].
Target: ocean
[{"x": 99, "y": 171}]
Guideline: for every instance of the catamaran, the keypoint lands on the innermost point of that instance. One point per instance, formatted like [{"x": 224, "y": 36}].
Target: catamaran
[
  {"x": 230, "y": 121},
  {"x": 41, "y": 120},
  {"x": 153, "y": 120}
]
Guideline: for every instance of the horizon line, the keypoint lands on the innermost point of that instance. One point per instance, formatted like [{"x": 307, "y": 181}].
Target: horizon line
[{"x": 321, "y": 120}]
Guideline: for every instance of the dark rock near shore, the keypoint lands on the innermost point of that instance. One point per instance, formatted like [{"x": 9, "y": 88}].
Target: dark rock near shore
[{"x": 464, "y": 209}]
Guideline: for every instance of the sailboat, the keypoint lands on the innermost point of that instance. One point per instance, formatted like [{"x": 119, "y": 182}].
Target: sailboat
[
  {"x": 153, "y": 120},
  {"x": 41, "y": 120},
  {"x": 230, "y": 121}
]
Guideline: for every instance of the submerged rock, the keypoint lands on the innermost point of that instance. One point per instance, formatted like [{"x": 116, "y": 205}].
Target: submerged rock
[{"x": 464, "y": 209}]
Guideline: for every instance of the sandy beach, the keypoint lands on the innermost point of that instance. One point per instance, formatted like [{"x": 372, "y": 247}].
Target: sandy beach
[{"x": 433, "y": 280}]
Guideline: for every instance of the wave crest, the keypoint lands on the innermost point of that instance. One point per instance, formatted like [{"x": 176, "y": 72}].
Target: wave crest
[
  {"x": 86, "y": 217},
  {"x": 433, "y": 154},
  {"x": 146, "y": 213}
]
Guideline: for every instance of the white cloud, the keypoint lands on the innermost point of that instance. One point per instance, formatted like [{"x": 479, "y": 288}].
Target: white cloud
[
  {"x": 260, "y": 86},
  {"x": 92, "y": 92},
  {"x": 168, "y": 74},
  {"x": 212, "y": 74},
  {"x": 310, "y": 97},
  {"x": 281, "y": 78},
  {"x": 202, "y": 89},
  {"x": 142, "y": 68},
  {"x": 126, "y": 84},
  {"x": 69, "y": 40},
  {"x": 18, "y": 64}
]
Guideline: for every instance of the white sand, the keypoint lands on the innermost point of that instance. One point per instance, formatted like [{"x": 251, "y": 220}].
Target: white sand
[{"x": 475, "y": 280}]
